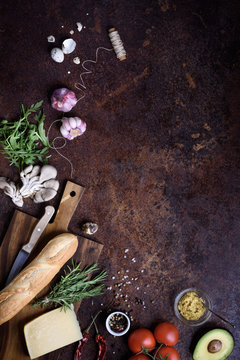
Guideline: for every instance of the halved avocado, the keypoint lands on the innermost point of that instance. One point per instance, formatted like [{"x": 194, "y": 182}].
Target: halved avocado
[{"x": 216, "y": 344}]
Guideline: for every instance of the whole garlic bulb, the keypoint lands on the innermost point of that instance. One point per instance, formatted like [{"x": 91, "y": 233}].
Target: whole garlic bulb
[
  {"x": 63, "y": 99},
  {"x": 72, "y": 127}
]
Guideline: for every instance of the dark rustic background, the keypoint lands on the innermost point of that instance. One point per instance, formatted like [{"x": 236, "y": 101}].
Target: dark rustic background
[{"x": 160, "y": 157}]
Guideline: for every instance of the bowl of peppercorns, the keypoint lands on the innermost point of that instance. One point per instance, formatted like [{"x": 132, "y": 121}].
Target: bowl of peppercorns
[{"x": 117, "y": 323}]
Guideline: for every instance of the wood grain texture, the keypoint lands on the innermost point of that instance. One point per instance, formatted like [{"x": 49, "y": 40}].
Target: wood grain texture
[{"x": 12, "y": 342}]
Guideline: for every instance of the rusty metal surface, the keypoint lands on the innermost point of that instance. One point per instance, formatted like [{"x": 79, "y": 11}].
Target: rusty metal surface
[{"x": 160, "y": 157}]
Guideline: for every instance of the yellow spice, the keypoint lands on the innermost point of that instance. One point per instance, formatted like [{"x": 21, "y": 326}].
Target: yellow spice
[{"x": 190, "y": 306}]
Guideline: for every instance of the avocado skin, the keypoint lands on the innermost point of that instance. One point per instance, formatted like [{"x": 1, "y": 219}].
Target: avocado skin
[{"x": 201, "y": 352}]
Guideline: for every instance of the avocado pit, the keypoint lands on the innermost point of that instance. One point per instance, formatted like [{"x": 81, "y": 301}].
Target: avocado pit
[{"x": 214, "y": 346}]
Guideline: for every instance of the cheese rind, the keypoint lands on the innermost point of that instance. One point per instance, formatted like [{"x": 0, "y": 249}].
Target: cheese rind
[{"x": 51, "y": 331}]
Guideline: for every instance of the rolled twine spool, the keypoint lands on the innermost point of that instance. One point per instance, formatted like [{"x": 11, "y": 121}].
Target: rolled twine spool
[{"x": 117, "y": 44}]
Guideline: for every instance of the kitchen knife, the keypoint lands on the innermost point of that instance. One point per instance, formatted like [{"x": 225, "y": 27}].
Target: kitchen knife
[{"x": 26, "y": 249}]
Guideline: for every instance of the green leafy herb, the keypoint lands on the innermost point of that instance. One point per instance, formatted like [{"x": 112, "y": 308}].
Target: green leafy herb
[
  {"x": 24, "y": 142},
  {"x": 73, "y": 286}
]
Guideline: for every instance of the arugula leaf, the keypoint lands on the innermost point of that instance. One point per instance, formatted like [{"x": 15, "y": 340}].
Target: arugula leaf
[{"x": 24, "y": 142}]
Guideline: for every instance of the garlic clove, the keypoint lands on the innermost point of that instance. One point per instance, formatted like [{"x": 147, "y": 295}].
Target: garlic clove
[
  {"x": 68, "y": 46},
  {"x": 57, "y": 55},
  {"x": 65, "y": 124},
  {"x": 82, "y": 127},
  {"x": 79, "y": 26},
  {"x": 72, "y": 122},
  {"x": 78, "y": 120},
  {"x": 64, "y": 132},
  {"x": 76, "y": 60}
]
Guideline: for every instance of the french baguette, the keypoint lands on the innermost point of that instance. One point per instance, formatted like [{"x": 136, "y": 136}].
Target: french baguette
[{"x": 32, "y": 279}]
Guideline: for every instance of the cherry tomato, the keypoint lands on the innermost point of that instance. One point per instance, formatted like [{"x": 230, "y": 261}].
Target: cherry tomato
[
  {"x": 166, "y": 333},
  {"x": 165, "y": 350},
  {"x": 139, "y": 357},
  {"x": 139, "y": 338}
]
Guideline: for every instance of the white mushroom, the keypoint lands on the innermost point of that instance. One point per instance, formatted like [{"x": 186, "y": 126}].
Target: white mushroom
[
  {"x": 51, "y": 184},
  {"x": 39, "y": 183},
  {"x": 31, "y": 171},
  {"x": 47, "y": 172},
  {"x": 11, "y": 190},
  {"x": 44, "y": 195},
  {"x": 30, "y": 179}
]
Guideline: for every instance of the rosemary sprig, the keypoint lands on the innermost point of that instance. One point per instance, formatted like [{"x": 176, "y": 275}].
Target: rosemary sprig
[
  {"x": 24, "y": 142},
  {"x": 73, "y": 286}
]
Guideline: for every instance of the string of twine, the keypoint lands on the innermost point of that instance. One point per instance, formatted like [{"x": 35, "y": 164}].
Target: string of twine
[
  {"x": 56, "y": 148},
  {"x": 82, "y": 84},
  {"x": 87, "y": 71}
]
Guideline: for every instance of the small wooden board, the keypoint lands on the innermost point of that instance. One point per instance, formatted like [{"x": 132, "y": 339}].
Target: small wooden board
[{"x": 12, "y": 342}]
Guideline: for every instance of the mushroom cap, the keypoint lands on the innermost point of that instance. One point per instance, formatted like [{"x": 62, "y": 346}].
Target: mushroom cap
[
  {"x": 44, "y": 195},
  {"x": 47, "y": 172}
]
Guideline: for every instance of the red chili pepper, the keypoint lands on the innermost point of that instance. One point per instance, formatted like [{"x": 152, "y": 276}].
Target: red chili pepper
[
  {"x": 102, "y": 346},
  {"x": 84, "y": 340}
]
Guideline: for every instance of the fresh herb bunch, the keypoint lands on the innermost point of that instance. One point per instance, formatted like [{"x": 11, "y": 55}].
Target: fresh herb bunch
[
  {"x": 23, "y": 142},
  {"x": 74, "y": 286}
]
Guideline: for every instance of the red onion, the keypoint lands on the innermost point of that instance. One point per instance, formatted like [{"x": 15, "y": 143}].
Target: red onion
[
  {"x": 63, "y": 99},
  {"x": 72, "y": 127}
]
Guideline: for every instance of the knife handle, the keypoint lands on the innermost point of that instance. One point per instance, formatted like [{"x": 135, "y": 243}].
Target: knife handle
[{"x": 39, "y": 228}]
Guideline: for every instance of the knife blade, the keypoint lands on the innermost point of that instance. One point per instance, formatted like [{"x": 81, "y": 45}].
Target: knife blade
[{"x": 26, "y": 249}]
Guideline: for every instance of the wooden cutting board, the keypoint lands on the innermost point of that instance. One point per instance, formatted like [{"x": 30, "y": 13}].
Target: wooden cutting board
[{"x": 12, "y": 342}]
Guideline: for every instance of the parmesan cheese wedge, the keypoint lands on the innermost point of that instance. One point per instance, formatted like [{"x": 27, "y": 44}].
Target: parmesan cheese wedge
[{"x": 51, "y": 331}]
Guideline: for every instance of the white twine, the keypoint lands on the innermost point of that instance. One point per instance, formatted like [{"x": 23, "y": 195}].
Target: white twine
[
  {"x": 87, "y": 71},
  {"x": 59, "y": 147}
]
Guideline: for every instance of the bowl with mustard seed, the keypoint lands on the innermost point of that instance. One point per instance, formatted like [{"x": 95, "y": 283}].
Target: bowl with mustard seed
[
  {"x": 117, "y": 323},
  {"x": 193, "y": 307}
]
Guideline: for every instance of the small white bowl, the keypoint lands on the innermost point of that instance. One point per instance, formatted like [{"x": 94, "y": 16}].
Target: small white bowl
[{"x": 112, "y": 332}]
